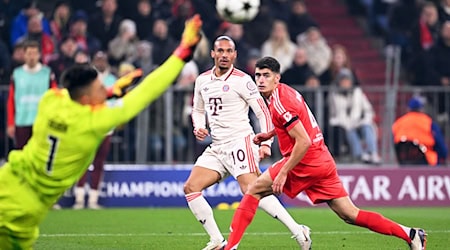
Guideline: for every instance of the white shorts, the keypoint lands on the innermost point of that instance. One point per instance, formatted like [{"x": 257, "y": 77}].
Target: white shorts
[{"x": 232, "y": 158}]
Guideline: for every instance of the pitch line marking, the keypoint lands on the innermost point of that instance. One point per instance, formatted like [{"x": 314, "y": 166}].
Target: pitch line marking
[{"x": 203, "y": 234}]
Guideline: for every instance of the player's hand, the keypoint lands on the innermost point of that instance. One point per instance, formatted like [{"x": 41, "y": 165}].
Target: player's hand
[
  {"x": 190, "y": 38},
  {"x": 119, "y": 89},
  {"x": 260, "y": 137},
  {"x": 201, "y": 133},
  {"x": 10, "y": 131},
  {"x": 264, "y": 151},
  {"x": 278, "y": 183}
]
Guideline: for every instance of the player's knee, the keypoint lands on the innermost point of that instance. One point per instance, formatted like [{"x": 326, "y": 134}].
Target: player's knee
[{"x": 190, "y": 187}]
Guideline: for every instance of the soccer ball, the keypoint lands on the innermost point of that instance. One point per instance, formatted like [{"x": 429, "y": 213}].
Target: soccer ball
[{"x": 237, "y": 11}]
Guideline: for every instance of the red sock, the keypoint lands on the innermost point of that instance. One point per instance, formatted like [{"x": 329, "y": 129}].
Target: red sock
[
  {"x": 242, "y": 218},
  {"x": 377, "y": 223}
]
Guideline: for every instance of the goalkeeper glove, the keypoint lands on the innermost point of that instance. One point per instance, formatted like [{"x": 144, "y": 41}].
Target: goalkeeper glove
[
  {"x": 119, "y": 89},
  {"x": 190, "y": 38}
]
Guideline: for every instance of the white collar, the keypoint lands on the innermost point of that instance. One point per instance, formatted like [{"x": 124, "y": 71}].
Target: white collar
[
  {"x": 222, "y": 77},
  {"x": 36, "y": 68}
]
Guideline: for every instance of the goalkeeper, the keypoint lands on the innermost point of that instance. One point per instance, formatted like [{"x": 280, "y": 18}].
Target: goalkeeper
[{"x": 70, "y": 125}]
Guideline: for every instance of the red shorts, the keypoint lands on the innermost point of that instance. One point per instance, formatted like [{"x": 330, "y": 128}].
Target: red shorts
[{"x": 319, "y": 183}]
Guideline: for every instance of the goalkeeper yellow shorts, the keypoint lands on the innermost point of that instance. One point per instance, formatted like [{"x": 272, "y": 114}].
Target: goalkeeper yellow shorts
[{"x": 21, "y": 212}]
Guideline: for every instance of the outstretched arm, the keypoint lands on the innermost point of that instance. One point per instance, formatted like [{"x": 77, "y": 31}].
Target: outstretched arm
[{"x": 154, "y": 84}]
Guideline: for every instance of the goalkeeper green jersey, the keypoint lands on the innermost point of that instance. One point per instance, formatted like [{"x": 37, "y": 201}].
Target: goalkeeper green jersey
[{"x": 66, "y": 134}]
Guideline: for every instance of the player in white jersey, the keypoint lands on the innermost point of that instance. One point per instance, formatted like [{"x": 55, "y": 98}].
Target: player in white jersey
[{"x": 225, "y": 94}]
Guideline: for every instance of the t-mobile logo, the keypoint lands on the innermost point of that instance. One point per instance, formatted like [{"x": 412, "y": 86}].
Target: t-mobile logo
[{"x": 215, "y": 104}]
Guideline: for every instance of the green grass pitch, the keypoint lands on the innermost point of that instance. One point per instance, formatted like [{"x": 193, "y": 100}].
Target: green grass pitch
[{"x": 176, "y": 228}]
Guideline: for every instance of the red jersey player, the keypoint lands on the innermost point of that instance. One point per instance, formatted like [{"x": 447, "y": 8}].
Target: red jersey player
[{"x": 307, "y": 165}]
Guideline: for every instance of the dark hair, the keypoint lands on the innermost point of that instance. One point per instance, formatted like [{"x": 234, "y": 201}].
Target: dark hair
[
  {"x": 224, "y": 38},
  {"x": 268, "y": 63},
  {"x": 31, "y": 44},
  {"x": 76, "y": 78}
]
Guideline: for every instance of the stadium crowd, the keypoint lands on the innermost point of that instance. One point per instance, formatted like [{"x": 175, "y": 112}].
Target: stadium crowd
[{"x": 128, "y": 34}]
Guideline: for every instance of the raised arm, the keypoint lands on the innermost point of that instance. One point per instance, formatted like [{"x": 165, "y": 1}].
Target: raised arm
[{"x": 154, "y": 84}]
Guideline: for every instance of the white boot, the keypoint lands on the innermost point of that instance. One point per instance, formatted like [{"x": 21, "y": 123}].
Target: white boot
[
  {"x": 79, "y": 197},
  {"x": 93, "y": 199}
]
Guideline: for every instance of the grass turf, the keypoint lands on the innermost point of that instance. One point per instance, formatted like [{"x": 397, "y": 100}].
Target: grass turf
[{"x": 176, "y": 228}]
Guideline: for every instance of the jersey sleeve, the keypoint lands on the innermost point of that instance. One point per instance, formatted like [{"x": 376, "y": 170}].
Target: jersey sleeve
[
  {"x": 249, "y": 92},
  {"x": 151, "y": 87},
  {"x": 285, "y": 107},
  {"x": 198, "y": 107},
  {"x": 248, "y": 89},
  {"x": 11, "y": 105}
]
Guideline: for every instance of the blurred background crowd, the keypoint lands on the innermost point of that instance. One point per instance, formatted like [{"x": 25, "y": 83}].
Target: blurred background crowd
[{"x": 333, "y": 50}]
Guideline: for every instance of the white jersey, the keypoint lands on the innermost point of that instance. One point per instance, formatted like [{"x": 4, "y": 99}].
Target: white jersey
[{"x": 226, "y": 101}]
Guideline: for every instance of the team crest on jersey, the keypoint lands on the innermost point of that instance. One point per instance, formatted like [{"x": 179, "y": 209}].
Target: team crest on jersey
[
  {"x": 287, "y": 116},
  {"x": 251, "y": 86},
  {"x": 225, "y": 88}
]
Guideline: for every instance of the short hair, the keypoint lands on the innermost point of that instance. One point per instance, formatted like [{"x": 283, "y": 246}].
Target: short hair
[
  {"x": 31, "y": 44},
  {"x": 225, "y": 38},
  {"x": 76, "y": 78},
  {"x": 268, "y": 63}
]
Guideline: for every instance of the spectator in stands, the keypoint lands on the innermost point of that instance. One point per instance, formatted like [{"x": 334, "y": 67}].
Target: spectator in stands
[
  {"x": 401, "y": 19},
  {"x": 18, "y": 56},
  {"x": 126, "y": 134},
  {"x": 257, "y": 31},
  {"x": 163, "y": 8},
  {"x": 143, "y": 58},
  {"x": 123, "y": 46},
  {"x": 182, "y": 109},
  {"x": 65, "y": 56},
  {"x": 202, "y": 54},
  {"x": 127, "y": 8},
  {"x": 317, "y": 49},
  {"x": 157, "y": 132},
  {"x": 163, "y": 44},
  {"x": 440, "y": 58},
  {"x": 8, "y": 10},
  {"x": 279, "y": 8},
  {"x": 300, "y": 73},
  {"x": 59, "y": 24},
  {"x": 5, "y": 63},
  {"x": 210, "y": 22},
  {"x": 444, "y": 11},
  {"x": 79, "y": 31},
  {"x": 100, "y": 62},
  {"x": 181, "y": 10},
  {"x": 11, "y": 8},
  {"x": 279, "y": 45},
  {"x": 91, "y": 7},
  {"x": 36, "y": 33},
  {"x": 250, "y": 65},
  {"x": 351, "y": 110},
  {"x": 417, "y": 130},
  {"x": 340, "y": 59},
  {"x": 144, "y": 19},
  {"x": 423, "y": 35},
  {"x": 299, "y": 19},
  {"x": 94, "y": 175},
  {"x": 28, "y": 84},
  {"x": 105, "y": 24},
  {"x": 236, "y": 32},
  {"x": 19, "y": 26},
  {"x": 439, "y": 67},
  {"x": 81, "y": 57}
]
